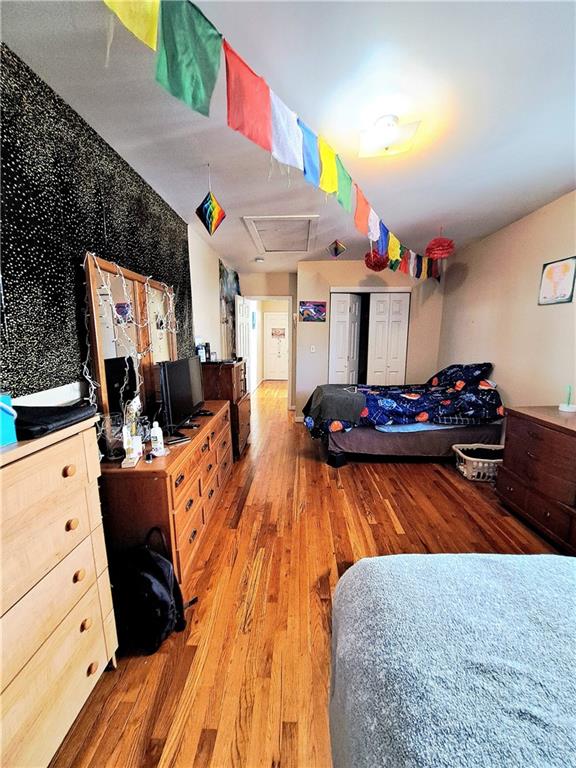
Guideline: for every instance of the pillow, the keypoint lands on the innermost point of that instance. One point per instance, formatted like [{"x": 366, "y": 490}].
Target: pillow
[{"x": 472, "y": 373}]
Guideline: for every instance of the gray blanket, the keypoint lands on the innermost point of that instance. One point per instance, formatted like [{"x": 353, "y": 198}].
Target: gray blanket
[
  {"x": 335, "y": 401},
  {"x": 453, "y": 661}
]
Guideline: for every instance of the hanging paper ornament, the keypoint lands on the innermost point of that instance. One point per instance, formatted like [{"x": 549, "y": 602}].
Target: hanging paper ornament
[
  {"x": 375, "y": 261},
  {"x": 336, "y": 248},
  {"x": 440, "y": 248},
  {"x": 210, "y": 213}
]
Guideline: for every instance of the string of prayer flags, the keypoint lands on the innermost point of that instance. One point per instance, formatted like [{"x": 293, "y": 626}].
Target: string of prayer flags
[
  {"x": 248, "y": 95},
  {"x": 362, "y": 212},
  {"x": 286, "y": 134},
  {"x": 310, "y": 154},
  {"x": 138, "y": 16},
  {"x": 328, "y": 173},
  {"x": 373, "y": 226},
  {"x": 189, "y": 52},
  {"x": 344, "y": 186}
]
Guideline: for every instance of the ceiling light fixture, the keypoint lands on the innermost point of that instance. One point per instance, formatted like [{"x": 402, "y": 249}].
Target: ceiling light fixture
[
  {"x": 259, "y": 260},
  {"x": 387, "y": 137}
]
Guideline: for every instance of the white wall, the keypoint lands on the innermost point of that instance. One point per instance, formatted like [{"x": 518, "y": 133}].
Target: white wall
[
  {"x": 205, "y": 278},
  {"x": 491, "y": 307}
]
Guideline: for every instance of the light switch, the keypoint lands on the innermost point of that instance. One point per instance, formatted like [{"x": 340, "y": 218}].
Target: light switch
[{"x": 312, "y": 348}]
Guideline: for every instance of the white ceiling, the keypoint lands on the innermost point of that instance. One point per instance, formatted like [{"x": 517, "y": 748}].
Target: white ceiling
[{"x": 493, "y": 83}]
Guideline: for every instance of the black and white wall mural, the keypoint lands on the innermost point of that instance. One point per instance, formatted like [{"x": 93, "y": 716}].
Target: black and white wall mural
[{"x": 65, "y": 191}]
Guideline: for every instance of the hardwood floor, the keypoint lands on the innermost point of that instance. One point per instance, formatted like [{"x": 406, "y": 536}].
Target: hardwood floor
[{"x": 247, "y": 683}]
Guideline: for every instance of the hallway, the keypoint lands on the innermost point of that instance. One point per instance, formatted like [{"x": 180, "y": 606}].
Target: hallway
[{"x": 247, "y": 683}]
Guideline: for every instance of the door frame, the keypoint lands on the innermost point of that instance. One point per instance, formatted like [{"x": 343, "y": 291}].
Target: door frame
[{"x": 291, "y": 332}]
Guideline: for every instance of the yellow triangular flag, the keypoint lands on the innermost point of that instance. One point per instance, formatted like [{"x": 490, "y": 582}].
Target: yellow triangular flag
[
  {"x": 393, "y": 247},
  {"x": 139, "y": 16},
  {"x": 329, "y": 172}
]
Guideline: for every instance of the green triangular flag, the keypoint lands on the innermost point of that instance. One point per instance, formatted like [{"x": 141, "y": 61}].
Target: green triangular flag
[
  {"x": 344, "y": 186},
  {"x": 188, "y": 58}
]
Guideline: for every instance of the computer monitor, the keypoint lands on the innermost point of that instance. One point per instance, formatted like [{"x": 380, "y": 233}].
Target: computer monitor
[{"x": 182, "y": 392}]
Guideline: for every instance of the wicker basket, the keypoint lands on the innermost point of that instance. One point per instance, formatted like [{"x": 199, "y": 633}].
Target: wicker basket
[{"x": 479, "y": 469}]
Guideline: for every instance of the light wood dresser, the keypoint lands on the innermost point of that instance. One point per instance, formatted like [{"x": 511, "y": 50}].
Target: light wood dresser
[
  {"x": 57, "y": 626},
  {"x": 176, "y": 493},
  {"x": 538, "y": 477}
]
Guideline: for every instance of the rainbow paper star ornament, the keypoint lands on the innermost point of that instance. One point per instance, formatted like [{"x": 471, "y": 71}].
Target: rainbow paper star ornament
[{"x": 210, "y": 213}]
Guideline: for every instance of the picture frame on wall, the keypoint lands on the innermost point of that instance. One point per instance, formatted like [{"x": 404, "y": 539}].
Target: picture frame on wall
[
  {"x": 313, "y": 311},
  {"x": 557, "y": 282}
]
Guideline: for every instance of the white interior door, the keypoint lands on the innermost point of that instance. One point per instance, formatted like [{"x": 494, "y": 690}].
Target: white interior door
[
  {"x": 243, "y": 329},
  {"x": 388, "y": 338},
  {"x": 276, "y": 345},
  {"x": 344, "y": 338}
]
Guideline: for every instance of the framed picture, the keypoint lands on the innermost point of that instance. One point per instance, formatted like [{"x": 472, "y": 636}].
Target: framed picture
[
  {"x": 313, "y": 311},
  {"x": 557, "y": 281}
]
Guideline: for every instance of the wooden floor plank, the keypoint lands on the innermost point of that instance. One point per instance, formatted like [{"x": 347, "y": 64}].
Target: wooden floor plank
[{"x": 246, "y": 684}]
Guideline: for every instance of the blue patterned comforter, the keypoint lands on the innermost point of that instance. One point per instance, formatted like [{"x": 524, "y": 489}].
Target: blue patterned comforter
[{"x": 460, "y": 403}]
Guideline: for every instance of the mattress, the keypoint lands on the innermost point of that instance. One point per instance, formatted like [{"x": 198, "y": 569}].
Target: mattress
[
  {"x": 435, "y": 442},
  {"x": 454, "y": 661}
]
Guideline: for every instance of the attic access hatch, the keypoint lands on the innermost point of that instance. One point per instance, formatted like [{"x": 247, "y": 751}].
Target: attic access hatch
[{"x": 283, "y": 234}]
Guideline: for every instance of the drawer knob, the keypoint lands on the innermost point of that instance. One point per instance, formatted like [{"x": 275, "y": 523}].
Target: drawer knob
[
  {"x": 86, "y": 624},
  {"x": 69, "y": 470},
  {"x": 205, "y": 447},
  {"x": 192, "y": 536},
  {"x": 212, "y": 435},
  {"x": 509, "y": 488},
  {"x": 189, "y": 504},
  {"x": 534, "y": 435},
  {"x": 530, "y": 454},
  {"x": 72, "y": 524},
  {"x": 79, "y": 575},
  {"x": 210, "y": 467},
  {"x": 211, "y": 493},
  {"x": 179, "y": 480},
  {"x": 92, "y": 669},
  {"x": 225, "y": 443}
]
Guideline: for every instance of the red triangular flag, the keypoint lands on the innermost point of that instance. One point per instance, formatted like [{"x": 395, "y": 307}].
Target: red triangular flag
[
  {"x": 249, "y": 109},
  {"x": 362, "y": 212}
]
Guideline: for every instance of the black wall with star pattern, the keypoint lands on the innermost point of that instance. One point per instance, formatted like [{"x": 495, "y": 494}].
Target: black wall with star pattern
[{"x": 65, "y": 191}]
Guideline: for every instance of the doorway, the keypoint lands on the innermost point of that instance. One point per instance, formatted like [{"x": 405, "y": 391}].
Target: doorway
[{"x": 275, "y": 345}]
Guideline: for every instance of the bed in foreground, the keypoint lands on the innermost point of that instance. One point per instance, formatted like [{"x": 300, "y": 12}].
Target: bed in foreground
[{"x": 455, "y": 661}]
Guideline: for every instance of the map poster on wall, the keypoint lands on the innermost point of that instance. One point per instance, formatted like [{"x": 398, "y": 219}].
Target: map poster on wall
[
  {"x": 313, "y": 311},
  {"x": 557, "y": 282}
]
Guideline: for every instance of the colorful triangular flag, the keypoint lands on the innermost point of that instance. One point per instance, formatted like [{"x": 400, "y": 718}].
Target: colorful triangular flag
[
  {"x": 382, "y": 245},
  {"x": 286, "y": 135},
  {"x": 393, "y": 247},
  {"x": 210, "y": 213},
  {"x": 138, "y": 16},
  {"x": 189, "y": 50},
  {"x": 248, "y": 94},
  {"x": 328, "y": 172}
]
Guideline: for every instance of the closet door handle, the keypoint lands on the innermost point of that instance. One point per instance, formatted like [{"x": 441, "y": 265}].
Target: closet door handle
[{"x": 179, "y": 480}]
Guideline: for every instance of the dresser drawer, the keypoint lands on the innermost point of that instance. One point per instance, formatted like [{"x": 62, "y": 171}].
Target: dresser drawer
[
  {"x": 36, "y": 538},
  {"x": 549, "y": 476},
  {"x": 223, "y": 444},
  {"x": 189, "y": 541},
  {"x": 41, "y": 703},
  {"x": 202, "y": 451},
  {"x": 224, "y": 468},
  {"x": 510, "y": 488},
  {"x": 549, "y": 515},
  {"x": 28, "y": 623},
  {"x": 190, "y": 502},
  {"x": 209, "y": 495},
  {"x": 180, "y": 480},
  {"x": 207, "y": 468},
  {"x": 44, "y": 475},
  {"x": 547, "y": 447}
]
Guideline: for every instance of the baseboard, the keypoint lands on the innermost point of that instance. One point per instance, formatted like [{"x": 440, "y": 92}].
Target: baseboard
[
  {"x": 299, "y": 419},
  {"x": 291, "y": 407}
]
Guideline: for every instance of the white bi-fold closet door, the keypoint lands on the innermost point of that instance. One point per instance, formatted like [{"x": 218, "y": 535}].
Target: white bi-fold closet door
[
  {"x": 388, "y": 338},
  {"x": 344, "y": 338}
]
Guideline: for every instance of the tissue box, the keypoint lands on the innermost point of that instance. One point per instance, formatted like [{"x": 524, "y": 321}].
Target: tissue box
[{"x": 7, "y": 420}]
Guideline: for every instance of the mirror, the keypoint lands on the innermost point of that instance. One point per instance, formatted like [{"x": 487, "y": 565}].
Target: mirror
[{"x": 132, "y": 327}]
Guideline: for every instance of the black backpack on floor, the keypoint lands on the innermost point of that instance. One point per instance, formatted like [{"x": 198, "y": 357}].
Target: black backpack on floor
[{"x": 147, "y": 598}]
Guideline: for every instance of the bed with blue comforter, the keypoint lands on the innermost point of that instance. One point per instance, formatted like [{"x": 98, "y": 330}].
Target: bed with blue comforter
[{"x": 455, "y": 661}]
